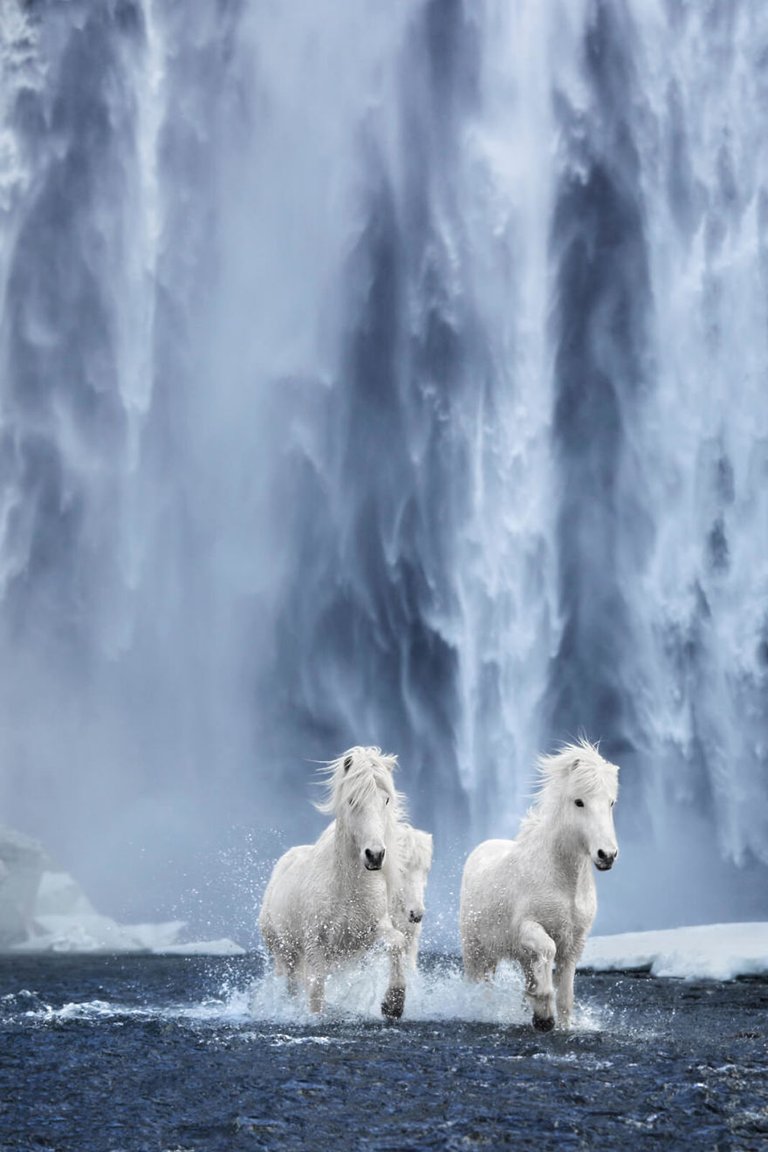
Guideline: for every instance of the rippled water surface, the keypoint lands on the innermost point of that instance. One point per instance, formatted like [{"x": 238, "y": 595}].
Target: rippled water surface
[{"x": 108, "y": 1054}]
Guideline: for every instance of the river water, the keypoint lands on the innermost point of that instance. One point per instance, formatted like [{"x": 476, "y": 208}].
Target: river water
[{"x": 153, "y": 1054}]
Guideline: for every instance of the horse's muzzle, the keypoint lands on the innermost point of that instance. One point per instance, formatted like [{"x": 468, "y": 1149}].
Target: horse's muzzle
[
  {"x": 374, "y": 860},
  {"x": 605, "y": 860}
]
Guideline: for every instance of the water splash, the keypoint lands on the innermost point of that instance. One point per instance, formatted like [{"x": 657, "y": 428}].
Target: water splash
[{"x": 437, "y": 993}]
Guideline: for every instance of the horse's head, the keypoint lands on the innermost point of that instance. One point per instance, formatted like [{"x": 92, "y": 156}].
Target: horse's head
[
  {"x": 585, "y": 789},
  {"x": 415, "y": 863},
  {"x": 363, "y": 799}
]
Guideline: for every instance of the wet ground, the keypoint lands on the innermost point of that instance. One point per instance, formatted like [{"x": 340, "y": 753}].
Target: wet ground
[{"x": 179, "y": 1054}]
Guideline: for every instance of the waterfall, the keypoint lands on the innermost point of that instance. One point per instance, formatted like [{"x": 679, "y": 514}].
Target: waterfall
[{"x": 383, "y": 374}]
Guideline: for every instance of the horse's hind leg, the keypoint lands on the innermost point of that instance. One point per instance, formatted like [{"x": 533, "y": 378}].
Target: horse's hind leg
[{"x": 537, "y": 954}]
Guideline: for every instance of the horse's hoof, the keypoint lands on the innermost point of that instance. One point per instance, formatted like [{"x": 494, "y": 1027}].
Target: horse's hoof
[
  {"x": 393, "y": 1003},
  {"x": 543, "y": 1023}
]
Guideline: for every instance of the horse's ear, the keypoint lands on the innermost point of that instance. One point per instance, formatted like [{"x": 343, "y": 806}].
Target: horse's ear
[{"x": 347, "y": 763}]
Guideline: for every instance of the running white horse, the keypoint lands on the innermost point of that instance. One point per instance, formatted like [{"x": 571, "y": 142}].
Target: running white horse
[
  {"x": 533, "y": 899},
  {"x": 330, "y": 901},
  {"x": 406, "y": 907}
]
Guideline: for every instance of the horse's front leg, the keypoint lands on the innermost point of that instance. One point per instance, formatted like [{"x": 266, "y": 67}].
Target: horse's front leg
[
  {"x": 412, "y": 935},
  {"x": 537, "y": 954},
  {"x": 392, "y": 937},
  {"x": 564, "y": 973},
  {"x": 393, "y": 1004},
  {"x": 315, "y": 974},
  {"x": 394, "y": 998},
  {"x": 286, "y": 968}
]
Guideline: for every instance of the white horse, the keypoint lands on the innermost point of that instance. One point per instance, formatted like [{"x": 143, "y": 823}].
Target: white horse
[
  {"x": 406, "y": 887},
  {"x": 407, "y": 902},
  {"x": 330, "y": 901},
  {"x": 533, "y": 899}
]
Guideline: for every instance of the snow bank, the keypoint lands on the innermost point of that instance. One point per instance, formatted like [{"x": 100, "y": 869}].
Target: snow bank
[
  {"x": 44, "y": 910},
  {"x": 704, "y": 952},
  {"x": 223, "y": 947}
]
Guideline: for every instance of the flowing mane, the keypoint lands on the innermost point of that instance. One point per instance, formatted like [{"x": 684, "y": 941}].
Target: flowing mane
[
  {"x": 353, "y": 778},
  {"x": 580, "y": 764},
  {"x": 574, "y": 767}
]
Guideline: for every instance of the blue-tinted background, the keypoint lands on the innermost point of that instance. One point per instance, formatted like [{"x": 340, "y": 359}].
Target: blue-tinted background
[{"x": 383, "y": 372}]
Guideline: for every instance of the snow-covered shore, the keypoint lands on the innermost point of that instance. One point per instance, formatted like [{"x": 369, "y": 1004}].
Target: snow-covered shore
[{"x": 701, "y": 952}]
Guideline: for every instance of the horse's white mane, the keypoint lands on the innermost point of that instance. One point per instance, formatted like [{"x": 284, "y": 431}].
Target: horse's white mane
[
  {"x": 582, "y": 765},
  {"x": 354, "y": 777},
  {"x": 574, "y": 766},
  {"x": 415, "y": 848}
]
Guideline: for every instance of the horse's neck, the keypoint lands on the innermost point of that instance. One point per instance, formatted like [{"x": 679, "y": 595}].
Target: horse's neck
[
  {"x": 571, "y": 869},
  {"x": 346, "y": 872}
]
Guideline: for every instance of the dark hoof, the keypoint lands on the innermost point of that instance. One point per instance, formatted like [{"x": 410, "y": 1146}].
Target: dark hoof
[
  {"x": 543, "y": 1023},
  {"x": 393, "y": 1003}
]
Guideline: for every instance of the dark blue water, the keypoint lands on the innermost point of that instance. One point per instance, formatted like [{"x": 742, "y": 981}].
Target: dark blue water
[{"x": 176, "y": 1054}]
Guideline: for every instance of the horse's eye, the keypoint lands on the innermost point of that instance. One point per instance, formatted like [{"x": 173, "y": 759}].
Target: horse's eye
[
  {"x": 387, "y": 800},
  {"x": 579, "y": 803},
  {"x": 612, "y": 803}
]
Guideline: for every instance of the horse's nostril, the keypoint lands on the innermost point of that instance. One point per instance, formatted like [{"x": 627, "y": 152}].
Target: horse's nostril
[
  {"x": 602, "y": 855},
  {"x": 416, "y": 917},
  {"x": 375, "y": 859}
]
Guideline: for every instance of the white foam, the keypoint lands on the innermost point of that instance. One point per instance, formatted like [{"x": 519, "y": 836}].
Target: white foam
[
  {"x": 704, "y": 952},
  {"x": 439, "y": 994}
]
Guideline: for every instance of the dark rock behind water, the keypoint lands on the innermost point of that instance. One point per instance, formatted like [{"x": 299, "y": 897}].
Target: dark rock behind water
[{"x": 149, "y": 1054}]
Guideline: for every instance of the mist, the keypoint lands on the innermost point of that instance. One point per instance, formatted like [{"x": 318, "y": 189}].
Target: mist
[{"x": 383, "y": 374}]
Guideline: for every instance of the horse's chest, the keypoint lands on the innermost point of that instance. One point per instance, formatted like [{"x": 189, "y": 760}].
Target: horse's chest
[
  {"x": 353, "y": 933},
  {"x": 556, "y": 918},
  {"x": 567, "y": 920},
  {"x": 356, "y": 927}
]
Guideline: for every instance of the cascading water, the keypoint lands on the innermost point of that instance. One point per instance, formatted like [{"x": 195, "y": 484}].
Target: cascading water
[{"x": 385, "y": 374}]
